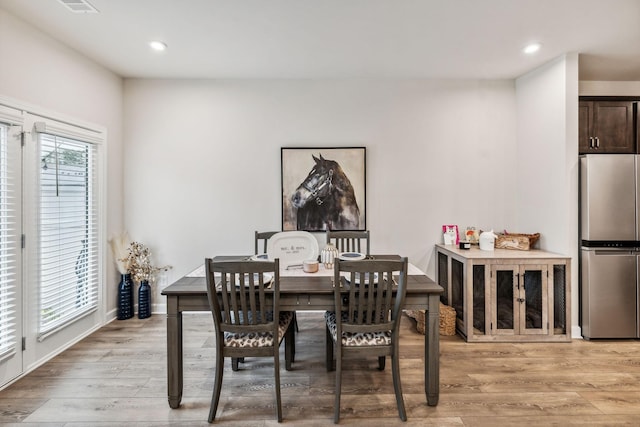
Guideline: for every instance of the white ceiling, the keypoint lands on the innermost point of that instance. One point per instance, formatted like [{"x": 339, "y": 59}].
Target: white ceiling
[{"x": 345, "y": 38}]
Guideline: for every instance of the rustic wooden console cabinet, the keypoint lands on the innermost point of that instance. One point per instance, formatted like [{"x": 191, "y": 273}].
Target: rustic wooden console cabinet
[{"x": 506, "y": 295}]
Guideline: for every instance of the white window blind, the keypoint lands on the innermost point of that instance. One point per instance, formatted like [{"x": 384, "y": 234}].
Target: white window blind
[
  {"x": 8, "y": 242},
  {"x": 67, "y": 231}
]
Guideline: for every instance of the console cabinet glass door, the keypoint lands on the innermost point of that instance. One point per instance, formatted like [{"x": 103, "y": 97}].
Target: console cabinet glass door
[
  {"x": 519, "y": 299},
  {"x": 479, "y": 300},
  {"x": 457, "y": 288},
  {"x": 504, "y": 284},
  {"x": 534, "y": 299}
]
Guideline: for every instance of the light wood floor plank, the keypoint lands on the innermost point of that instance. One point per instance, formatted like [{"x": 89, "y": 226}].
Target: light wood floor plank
[{"x": 117, "y": 376}]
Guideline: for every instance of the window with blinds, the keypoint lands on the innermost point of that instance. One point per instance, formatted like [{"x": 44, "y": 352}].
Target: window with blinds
[
  {"x": 8, "y": 243},
  {"x": 67, "y": 231}
]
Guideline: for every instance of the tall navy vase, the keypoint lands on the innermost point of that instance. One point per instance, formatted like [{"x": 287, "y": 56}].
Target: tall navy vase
[
  {"x": 144, "y": 300},
  {"x": 125, "y": 297}
]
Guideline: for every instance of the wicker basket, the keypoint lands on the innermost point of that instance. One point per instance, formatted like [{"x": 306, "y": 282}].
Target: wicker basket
[
  {"x": 522, "y": 242},
  {"x": 447, "y": 320}
]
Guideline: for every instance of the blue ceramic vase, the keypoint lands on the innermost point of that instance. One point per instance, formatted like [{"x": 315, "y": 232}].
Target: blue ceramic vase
[
  {"x": 144, "y": 300},
  {"x": 125, "y": 297}
]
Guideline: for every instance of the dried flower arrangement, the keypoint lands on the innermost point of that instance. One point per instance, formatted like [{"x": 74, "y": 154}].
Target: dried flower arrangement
[
  {"x": 138, "y": 260},
  {"x": 119, "y": 249}
]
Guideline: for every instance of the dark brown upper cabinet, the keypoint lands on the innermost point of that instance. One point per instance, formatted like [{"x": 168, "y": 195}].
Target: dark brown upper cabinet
[{"x": 607, "y": 126}]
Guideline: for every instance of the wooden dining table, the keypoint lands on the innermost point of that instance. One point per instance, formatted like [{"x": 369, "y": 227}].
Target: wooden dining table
[{"x": 300, "y": 291}]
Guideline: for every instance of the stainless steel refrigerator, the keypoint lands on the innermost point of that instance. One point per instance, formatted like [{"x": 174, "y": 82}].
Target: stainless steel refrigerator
[{"x": 610, "y": 245}]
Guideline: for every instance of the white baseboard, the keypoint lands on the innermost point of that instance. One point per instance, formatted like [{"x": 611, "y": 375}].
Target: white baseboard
[{"x": 576, "y": 332}]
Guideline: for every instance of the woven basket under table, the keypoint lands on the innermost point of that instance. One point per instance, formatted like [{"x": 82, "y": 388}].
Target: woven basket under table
[{"x": 447, "y": 320}]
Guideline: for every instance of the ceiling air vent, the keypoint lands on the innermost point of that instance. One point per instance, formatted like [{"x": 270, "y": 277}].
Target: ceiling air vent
[{"x": 79, "y": 6}]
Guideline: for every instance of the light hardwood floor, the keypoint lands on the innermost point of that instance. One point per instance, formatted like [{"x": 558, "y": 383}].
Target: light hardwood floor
[{"x": 117, "y": 376}]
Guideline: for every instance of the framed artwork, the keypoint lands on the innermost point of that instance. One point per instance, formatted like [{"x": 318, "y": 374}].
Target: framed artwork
[
  {"x": 451, "y": 235},
  {"x": 323, "y": 188}
]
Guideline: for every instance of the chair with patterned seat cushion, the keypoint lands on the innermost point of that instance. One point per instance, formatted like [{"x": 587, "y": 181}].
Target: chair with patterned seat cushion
[
  {"x": 244, "y": 298},
  {"x": 369, "y": 320},
  {"x": 261, "y": 242}
]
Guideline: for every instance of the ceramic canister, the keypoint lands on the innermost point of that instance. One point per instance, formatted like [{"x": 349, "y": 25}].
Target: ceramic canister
[
  {"x": 487, "y": 240},
  {"x": 310, "y": 266},
  {"x": 328, "y": 255}
]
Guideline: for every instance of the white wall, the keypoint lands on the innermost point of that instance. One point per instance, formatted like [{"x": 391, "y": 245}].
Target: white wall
[
  {"x": 546, "y": 152},
  {"x": 438, "y": 152},
  {"x": 203, "y": 159},
  {"x": 38, "y": 71},
  {"x": 547, "y": 116},
  {"x": 604, "y": 88}
]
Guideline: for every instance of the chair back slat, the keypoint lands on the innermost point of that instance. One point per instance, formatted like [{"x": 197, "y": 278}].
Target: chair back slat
[
  {"x": 350, "y": 241},
  {"x": 348, "y": 245},
  {"x": 241, "y": 288},
  {"x": 376, "y": 292}
]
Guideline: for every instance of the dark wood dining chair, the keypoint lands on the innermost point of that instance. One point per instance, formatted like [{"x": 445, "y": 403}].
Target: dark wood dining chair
[
  {"x": 262, "y": 237},
  {"x": 366, "y": 319},
  {"x": 350, "y": 241},
  {"x": 247, "y": 318}
]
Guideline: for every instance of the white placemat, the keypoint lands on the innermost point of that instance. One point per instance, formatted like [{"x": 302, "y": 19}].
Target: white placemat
[
  {"x": 198, "y": 272},
  {"x": 412, "y": 270}
]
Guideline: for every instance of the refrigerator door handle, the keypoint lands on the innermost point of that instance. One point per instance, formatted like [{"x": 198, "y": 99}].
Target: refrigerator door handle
[
  {"x": 636, "y": 163},
  {"x": 611, "y": 251}
]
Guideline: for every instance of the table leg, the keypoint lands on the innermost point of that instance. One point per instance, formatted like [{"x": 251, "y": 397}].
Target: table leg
[
  {"x": 174, "y": 352},
  {"x": 432, "y": 351}
]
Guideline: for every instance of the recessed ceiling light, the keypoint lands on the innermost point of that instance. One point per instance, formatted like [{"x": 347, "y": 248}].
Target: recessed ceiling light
[
  {"x": 79, "y": 6},
  {"x": 158, "y": 45},
  {"x": 531, "y": 48}
]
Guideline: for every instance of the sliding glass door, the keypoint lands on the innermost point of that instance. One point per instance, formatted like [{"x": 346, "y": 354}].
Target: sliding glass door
[
  {"x": 52, "y": 228},
  {"x": 65, "y": 242}
]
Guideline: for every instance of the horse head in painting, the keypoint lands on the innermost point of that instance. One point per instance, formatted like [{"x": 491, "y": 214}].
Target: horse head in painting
[{"x": 326, "y": 199}]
